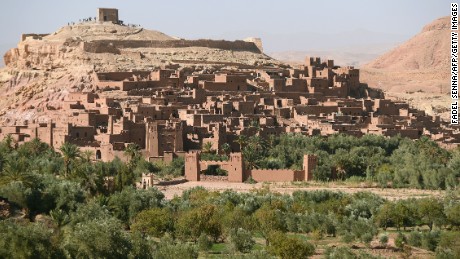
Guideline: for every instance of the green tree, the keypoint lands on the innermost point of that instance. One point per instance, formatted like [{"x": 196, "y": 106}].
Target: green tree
[
  {"x": 241, "y": 140},
  {"x": 132, "y": 151},
  {"x": 70, "y": 152},
  {"x": 268, "y": 220},
  {"x": 384, "y": 175},
  {"x": 384, "y": 217},
  {"x": 400, "y": 240},
  {"x": 383, "y": 239},
  {"x": 97, "y": 238},
  {"x": 207, "y": 147},
  {"x": 8, "y": 143},
  {"x": 125, "y": 205},
  {"x": 449, "y": 245},
  {"x": 27, "y": 240},
  {"x": 225, "y": 148},
  {"x": 241, "y": 240},
  {"x": 204, "y": 242},
  {"x": 203, "y": 219},
  {"x": 340, "y": 252},
  {"x": 288, "y": 247},
  {"x": 453, "y": 215},
  {"x": 29, "y": 199},
  {"x": 87, "y": 155},
  {"x": 154, "y": 222},
  {"x": 16, "y": 170},
  {"x": 168, "y": 249},
  {"x": 431, "y": 211},
  {"x": 65, "y": 195}
]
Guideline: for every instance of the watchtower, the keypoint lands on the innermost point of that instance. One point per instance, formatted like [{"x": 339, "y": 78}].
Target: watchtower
[
  {"x": 192, "y": 166},
  {"x": 236, "y": 170},
  {"x": 107, "y": 15},
  {"x": 309, "y": 164}
]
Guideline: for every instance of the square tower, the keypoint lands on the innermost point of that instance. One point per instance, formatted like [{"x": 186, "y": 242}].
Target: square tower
[
  {"x": 236, "y": 170},
  {"x": 192, "y": 166},
  {"x": 107, "y": 15},
  {"x": 309, "y": 164}
]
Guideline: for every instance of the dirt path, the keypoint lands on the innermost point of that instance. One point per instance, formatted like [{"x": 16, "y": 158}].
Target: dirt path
[{"x": 288, "y": 188}]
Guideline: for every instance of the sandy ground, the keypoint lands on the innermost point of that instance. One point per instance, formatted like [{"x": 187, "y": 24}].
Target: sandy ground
[{"x": 289, "y": 188}]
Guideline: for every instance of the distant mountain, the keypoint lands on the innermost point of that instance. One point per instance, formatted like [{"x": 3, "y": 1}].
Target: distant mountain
[
  {"x": 355, "y": 55},
  {"x": 416, "y": 71},
  {"x": 427, "y": 50}
]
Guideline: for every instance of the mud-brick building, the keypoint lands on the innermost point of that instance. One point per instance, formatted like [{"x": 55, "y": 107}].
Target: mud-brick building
[{"x": 237, "y": 172}]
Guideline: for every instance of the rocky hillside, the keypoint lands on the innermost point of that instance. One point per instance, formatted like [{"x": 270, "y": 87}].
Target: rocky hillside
[
  {"x": 425, "y": 51},
  {"x": 417, "y": 70},
  {"x": 43, "y": 69}
]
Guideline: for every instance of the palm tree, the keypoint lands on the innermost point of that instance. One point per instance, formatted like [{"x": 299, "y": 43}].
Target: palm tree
[
  {"x": 9, "y": 142},
  {"x": 59, "y": 217},
  {"x": 87, "y": 154},
  {"x": 132, "y": 151},
  {"x": 225, "y": 148},
  {"x": 70, "y": 152},
  {"x": 207, "y": 147},
  {"x": 241, "y": 140},
  {"x": 15, "y": 170}
]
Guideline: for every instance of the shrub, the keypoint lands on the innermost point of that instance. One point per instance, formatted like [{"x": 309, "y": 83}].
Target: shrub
[
  {"x": 250, "y": 180},
  {"x": 204, "y": 242},
  {"x": 383, "y": 239},
  {"x": 367, "y": 238},
  {"x": 430, "y": 240},
  {"x": 288, "y": 247},
  {"x": 154, "y": 222},
  {"x": 28, "y": 240},
  {"x": 449, "y": 245},
  {"x": 415, "y": 239},
  {"x": 98, "y": 238},
  {"x": 348, "y": 238},
  {"x": 168, "y": 249},
  {"x": 241, "y": 240},
  {"x": 341, "y": 252},
  {"x": 400, "y": 240}
]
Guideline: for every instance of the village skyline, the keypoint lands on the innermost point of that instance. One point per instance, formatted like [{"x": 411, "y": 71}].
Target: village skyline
[{"x": 294, "y": 26}]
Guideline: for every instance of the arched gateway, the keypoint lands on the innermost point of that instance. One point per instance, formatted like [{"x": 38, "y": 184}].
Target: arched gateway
[{"x": 236, "y": 172}]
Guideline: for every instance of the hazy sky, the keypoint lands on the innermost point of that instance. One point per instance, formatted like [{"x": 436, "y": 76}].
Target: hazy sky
[{"x": 282, "y": 25}]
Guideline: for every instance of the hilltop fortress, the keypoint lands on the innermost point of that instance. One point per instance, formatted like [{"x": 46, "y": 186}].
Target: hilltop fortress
[
  {"x": 176, "y": 108},
  {"x": 87, "y": 42}
]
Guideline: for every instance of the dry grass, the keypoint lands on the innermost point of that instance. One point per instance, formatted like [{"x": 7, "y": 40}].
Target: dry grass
[{"x": 289, "y": 188}]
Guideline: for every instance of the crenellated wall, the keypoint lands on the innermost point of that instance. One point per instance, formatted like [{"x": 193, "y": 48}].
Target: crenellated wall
[
  {"x": 237, "y": 173},
  {"x": 276, "y": 175},
  {"x": 102, "y": 46}
]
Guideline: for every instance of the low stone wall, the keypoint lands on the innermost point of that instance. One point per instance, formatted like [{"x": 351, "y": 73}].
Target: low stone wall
[
  {"x": 213, "y": 178},
  {"x": 102, "y": 46},
  {"x": 35, "y": 36},
  {"x": 268, "y": 175}
]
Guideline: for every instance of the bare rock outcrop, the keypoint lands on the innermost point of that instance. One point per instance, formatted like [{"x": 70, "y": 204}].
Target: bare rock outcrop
[
  {"x": 417, "y": 71},
  {"x": 44, "y": 68}
]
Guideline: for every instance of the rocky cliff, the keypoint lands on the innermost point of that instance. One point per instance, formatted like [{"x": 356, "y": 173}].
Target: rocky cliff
[
  {"x": 417, "y": 70},
  {"x": 44, "y": 68}
]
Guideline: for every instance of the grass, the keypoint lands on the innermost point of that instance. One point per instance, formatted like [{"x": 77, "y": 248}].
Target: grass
[
  {"x": 222, "y": 250},
  {"x": 219, "y": 248}
]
